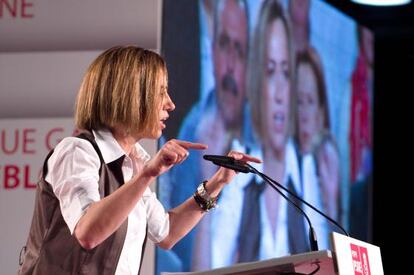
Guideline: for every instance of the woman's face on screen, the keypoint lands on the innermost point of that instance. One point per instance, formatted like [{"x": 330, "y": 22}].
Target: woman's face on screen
[
  {"x": 307, "y": 107},
  {"x": 276, "y": 87}
]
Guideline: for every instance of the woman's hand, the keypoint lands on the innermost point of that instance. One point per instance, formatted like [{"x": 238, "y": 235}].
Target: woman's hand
[
  {"x": 171, "y": 153},
  {"x": 328, "y": 161},
  {"x": 225, "y": 175}
]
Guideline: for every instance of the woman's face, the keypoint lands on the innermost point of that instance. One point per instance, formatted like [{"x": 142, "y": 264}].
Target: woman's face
[
  {"x": 309, "y": 120},
  {"x": 164, "y": 105},
  {"x": 276, "y": 87}
]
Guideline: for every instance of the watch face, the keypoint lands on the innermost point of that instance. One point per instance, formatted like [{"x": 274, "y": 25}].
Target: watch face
[{"x": 201, "y": 191}]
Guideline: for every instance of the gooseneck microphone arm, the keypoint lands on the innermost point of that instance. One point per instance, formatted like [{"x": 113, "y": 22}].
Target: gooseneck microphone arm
[
  {"x": 255, "y": 171},
  {"x": 241, "y": 166},
  {"x": 244, "y": 167},
  {"x": 312, "y": 235}
]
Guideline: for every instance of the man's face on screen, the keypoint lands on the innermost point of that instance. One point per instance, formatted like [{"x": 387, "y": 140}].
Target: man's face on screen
[{"x": 230, "y": 53}]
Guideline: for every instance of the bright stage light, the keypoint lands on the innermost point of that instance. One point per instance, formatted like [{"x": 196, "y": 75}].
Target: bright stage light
[{"x": 382, "y": 2}]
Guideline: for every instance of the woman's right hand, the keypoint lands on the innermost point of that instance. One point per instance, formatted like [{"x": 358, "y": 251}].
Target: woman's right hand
[{"x": 171, "y": 153}]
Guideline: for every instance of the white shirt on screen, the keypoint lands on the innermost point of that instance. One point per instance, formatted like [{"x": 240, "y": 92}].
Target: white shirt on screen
[
  {"x": 312, "y": 193},
  {"x": 276, "y": 243},
  {"x": 74, "y": 174},
  {"x": 227, "y": 218}
]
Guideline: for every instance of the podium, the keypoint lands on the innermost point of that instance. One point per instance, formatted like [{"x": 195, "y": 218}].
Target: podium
[
  {"x": 350, "y": 257},
  {"x": 300, "y": 263}
]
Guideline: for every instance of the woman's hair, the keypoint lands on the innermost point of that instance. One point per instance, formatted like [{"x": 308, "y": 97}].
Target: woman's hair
[
  {"x": 270, "y": 11},
  {"x": 121, "y": 88},
  {"x": 311, "y": 58}
]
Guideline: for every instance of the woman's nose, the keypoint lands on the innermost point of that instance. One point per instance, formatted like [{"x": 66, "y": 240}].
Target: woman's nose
[{"x": 169, "y": 104}]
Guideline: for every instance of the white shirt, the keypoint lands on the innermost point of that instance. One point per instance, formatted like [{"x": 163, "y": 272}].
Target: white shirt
[
  {"x": 312, "y": 193},
  {"x": 74, "y": 174},
  {"x": 276, "y": 243},
  {"x": 225, "y": 224},
  {"x": 226, "y": 219}
]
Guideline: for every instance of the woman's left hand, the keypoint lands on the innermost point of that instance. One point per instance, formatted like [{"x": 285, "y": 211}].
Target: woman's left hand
[{"x": 225, "y": 175}]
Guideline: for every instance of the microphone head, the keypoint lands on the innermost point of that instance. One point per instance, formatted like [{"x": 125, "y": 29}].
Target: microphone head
[
  {"x": 228, "y": 162},
  {"x": 219, "y": 158},
  {"x": 235, "y": 166}
]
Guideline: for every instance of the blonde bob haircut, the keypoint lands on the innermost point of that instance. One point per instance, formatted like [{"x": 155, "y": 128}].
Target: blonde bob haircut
[
  {"x": 122, "y": 88},
  {"x": 270, "y": 12}
]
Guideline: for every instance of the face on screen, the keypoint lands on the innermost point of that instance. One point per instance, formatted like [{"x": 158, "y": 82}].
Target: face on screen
[
  {"x": 230, "y": 61},
  {"x": 307, "y": 104},
  {"x": 276, "y": 85}
]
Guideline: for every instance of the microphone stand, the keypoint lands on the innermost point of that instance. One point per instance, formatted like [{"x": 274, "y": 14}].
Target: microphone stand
[
  {"x": 312, "y": 235},
  {"x": 274, "y": 183},
  {"x": 244, "y": 167}
]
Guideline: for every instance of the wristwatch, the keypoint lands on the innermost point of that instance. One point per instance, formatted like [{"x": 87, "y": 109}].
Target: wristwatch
[
  {"x": 203, "y": 199},
  {"x": 202, "y": 191}
]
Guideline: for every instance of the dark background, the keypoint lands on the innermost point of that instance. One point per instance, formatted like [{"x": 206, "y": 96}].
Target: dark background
[{"x": 394, "y": 66}]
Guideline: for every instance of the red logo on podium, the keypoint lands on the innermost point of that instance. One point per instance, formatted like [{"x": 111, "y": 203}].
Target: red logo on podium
[{"x": 360, "y": 260}]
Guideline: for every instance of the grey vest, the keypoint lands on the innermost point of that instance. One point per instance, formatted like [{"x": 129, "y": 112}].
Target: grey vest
[{"x": 51, "y": 249}]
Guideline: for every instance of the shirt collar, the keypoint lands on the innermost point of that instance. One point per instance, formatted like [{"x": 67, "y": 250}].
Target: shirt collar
[
  {"x": 292, "y": 168},
  {"x": 111, "y": 150}
]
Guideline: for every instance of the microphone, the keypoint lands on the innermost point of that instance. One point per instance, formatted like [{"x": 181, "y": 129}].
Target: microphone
[
  {"x": 229, "y": 162},
  {"x": 241, "y": 166}
]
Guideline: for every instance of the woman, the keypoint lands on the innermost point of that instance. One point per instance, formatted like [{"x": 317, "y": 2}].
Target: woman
[
  {"x": 93, "y": 206},
  {"x": 319, "y": 159},
  {"x": 312, "y": 105},
  {"x": 271, "y": 97}
]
